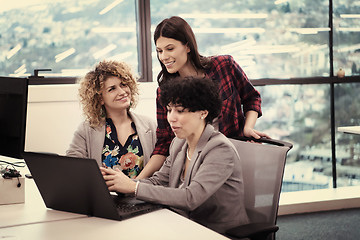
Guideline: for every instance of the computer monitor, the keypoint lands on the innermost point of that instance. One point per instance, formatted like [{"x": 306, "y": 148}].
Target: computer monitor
[{"x": 13, "y": 107}]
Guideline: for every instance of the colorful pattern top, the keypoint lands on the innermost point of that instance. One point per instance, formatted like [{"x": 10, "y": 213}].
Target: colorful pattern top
[
  {"x": 237, "y": 93},
  {"x": 128, "y": 158}
]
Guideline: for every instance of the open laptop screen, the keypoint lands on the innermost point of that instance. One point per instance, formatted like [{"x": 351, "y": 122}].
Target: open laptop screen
[{"x": 77, "y": 185}]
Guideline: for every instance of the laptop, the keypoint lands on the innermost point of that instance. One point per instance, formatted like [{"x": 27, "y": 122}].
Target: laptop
[{"x": 76, "y": 185}]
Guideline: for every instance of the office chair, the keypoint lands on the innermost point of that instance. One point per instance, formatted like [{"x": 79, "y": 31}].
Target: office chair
[{"x": 263, "y": 168}]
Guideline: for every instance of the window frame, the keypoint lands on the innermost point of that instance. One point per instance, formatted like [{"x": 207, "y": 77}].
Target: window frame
[{"x": 143, "y": 17}]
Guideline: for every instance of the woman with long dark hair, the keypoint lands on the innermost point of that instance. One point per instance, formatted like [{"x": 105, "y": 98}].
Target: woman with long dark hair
[{"x": 178, "y": 55}]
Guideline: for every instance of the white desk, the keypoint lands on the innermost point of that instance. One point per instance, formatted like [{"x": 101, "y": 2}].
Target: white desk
[
  {"x": 350, "y": 129},
  {"x": 32, "y": 220},
  {"x": 161, "y": 224},
  {"x": 32, "y": 211}
]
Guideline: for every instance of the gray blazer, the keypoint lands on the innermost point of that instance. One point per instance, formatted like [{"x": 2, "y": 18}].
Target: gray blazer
[
  {"x": 213, "y": 189},
  {"x": 88, "y": 142}
]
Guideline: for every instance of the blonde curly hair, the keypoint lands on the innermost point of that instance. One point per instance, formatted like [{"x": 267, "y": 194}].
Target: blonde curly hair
[{"x": 92, "y": 84}]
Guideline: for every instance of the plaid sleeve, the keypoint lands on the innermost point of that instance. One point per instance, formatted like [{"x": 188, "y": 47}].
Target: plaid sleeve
[
  {"x": 250, "y": 97},
  {"x": 164, "y": 133}
]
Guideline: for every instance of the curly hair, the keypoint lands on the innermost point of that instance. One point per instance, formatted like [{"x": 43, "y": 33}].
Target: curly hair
[
  {"x": 194, "y": 94},
  {"x": 92, "y": 84}
]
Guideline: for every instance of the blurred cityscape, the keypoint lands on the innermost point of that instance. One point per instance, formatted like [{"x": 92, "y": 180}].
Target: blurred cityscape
[
  {"x": 68, "y": 37},
  {"x": 300, "y": 114}
]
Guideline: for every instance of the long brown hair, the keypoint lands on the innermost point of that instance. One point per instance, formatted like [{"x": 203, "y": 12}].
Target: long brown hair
[{"x": 177, "y": 28}]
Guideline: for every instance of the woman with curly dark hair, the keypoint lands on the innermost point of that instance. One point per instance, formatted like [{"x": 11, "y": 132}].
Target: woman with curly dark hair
[
  {"x": 111, "y": 133},
  {"x": 202, "y": 177}
]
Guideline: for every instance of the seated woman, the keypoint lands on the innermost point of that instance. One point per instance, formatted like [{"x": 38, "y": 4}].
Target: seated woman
[
  {"x": 112, "y": 134},
  {"x": 202, "y": 177}
]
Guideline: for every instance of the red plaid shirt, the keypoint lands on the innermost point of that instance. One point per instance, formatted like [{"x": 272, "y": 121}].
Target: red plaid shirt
[{"x": 238, "y": 96}]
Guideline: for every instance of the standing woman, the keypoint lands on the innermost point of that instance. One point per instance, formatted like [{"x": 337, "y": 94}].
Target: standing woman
[
  {"x": 112, "y": 134},
  {"x": 202, "y": 177},
  {"x": 178, "y": 56}
]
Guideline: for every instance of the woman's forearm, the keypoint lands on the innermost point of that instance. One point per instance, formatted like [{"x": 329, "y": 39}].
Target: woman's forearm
[
  {"x": 154, "y": 164},
  {"x": 250, "y": 120}
]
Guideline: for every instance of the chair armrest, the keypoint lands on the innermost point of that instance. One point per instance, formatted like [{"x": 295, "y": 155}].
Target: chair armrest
[
  {"x": 265, "y": 140},
  {"x": 254, "y": 231}
]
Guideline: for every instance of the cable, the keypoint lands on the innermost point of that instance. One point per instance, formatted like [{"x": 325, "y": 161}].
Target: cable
[
  {"x": 9, "y": 173},
  {"x": 14, "y": 164}
]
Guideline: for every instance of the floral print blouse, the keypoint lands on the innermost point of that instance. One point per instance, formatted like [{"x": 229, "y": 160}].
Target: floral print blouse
[{"x": 128, "y": 158}]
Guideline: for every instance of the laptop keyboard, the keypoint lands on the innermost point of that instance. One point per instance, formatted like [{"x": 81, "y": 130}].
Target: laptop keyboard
[
  {"x": 123, "y": 207},
  {"x": 132, "y": 205}
]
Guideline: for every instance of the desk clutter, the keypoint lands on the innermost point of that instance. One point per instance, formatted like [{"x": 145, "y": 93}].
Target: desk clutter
[{"x": 12, "y": 186}]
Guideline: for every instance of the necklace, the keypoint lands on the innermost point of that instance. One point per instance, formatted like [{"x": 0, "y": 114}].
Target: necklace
[{"x": 187, "y": 154}]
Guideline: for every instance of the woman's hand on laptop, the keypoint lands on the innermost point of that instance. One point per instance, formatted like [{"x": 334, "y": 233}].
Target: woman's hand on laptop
[{"x": 118, "y": 181}]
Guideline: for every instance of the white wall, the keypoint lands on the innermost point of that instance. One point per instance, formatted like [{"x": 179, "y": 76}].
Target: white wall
[{"x": 54, "y": 113}]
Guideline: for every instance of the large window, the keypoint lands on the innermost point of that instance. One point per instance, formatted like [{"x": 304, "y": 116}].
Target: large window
[
  {"x": 301, "y": 114},
  {"x": 288, "y": 39},
  {"x": 269, "y": 39},
  {"x": 273, "y": 41},
  {"x": 65, "y": 36}
]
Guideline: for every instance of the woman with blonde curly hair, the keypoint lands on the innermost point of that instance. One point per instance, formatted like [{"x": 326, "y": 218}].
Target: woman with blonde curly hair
[{"x": 111, "y": 133}]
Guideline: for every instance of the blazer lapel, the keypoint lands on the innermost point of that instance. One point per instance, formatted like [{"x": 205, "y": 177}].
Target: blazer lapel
[
  {"x": 97, "y": 137},
  {"x": 195, "y": 158},
  {"x": 178, "y": 162},
  {"x": 143, "y": 131}
]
